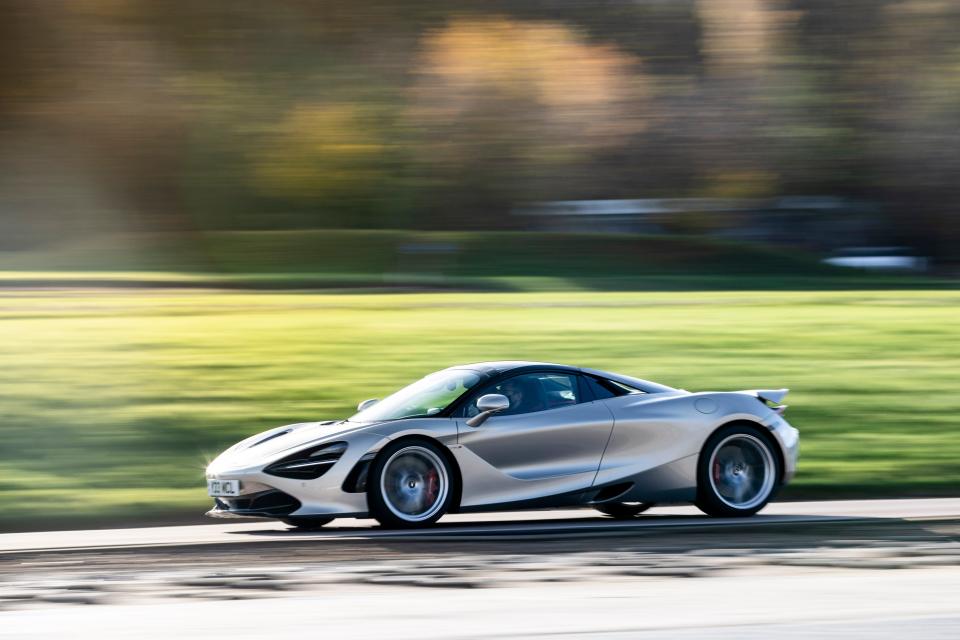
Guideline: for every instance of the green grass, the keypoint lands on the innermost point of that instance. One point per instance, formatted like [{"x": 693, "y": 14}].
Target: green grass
[{"x": 112, "y": 402}]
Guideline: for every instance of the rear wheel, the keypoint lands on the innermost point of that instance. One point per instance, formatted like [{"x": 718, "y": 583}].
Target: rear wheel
[
  {"x": 410, "y": 485},
  {"x": 308, "y": 523},
  {"x": 623, "y": 510},
  {"x": 738, "y": 472}
]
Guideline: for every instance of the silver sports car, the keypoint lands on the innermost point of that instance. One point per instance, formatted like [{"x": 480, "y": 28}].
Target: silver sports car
[{"x": 515, "y": 435}]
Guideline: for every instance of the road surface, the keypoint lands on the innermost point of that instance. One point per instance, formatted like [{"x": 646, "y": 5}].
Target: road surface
[
  {"x": 851, "y": 569},
  {"x": 483, "y": 526}
]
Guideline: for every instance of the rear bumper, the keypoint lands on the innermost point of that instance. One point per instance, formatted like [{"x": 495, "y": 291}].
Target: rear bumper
[{"x": 788, "y": 438}]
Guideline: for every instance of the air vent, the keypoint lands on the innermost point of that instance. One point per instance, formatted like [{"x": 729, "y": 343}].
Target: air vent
[
  {"x": 356, "y": 481},
  {"x": 271, "y": 503},
  {"x": 612, "y": 492},
  {"x": 270, "y": 437},
  {"x": 308, "y": 464}
]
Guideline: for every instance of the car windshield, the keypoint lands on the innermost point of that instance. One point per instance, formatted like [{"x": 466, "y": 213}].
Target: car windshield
[{"x": 426, "y": 397}]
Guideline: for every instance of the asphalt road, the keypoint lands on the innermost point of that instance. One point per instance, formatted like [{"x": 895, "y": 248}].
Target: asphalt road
[
  {"x": 483, "y": 526},
  {"x": 851, "y": 569}
]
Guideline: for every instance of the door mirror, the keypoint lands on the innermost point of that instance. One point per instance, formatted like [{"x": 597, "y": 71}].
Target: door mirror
[
  {"x": 493, "y": 402},
  {"x": 366, "y": 404},
  {"x": 488, "y": 405}
]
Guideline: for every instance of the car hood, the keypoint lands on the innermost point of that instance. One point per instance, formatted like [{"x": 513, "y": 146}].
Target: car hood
[{"x": 265, "y": 446}]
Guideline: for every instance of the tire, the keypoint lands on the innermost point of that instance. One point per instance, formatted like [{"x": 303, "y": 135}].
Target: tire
[
  {"x": 623, "y": 510},
  {"x": 411, "y": 485},
  {"x": 738, "y": 472},
  {"x": 308, "y": 523}
]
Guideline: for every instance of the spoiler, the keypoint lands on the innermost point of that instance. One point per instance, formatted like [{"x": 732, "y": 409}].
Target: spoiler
[{"x": 775, "y": 396}]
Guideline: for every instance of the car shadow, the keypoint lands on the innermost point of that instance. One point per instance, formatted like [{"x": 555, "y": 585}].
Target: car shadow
[{"x": 545, "y": 527}]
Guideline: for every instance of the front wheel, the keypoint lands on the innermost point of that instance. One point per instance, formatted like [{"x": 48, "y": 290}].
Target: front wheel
[
  {"x": 410, "y": 485},
  {"x": 623, "y": 510},
  {"x": 738, "y": 472}
]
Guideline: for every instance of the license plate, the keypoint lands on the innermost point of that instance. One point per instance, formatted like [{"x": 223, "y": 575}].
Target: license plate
[{"x": 223, "y": 487}]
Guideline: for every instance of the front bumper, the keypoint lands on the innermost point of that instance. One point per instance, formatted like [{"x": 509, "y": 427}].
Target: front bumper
[
  {"x": 266, "y": 495},
  {"x": 264, "y": 504}
]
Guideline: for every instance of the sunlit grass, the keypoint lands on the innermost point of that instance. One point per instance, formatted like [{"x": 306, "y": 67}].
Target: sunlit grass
[{"x": 113, "y": 401}]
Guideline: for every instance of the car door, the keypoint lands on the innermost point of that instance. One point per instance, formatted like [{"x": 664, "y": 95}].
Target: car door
[{"x": 553, "y": 430}]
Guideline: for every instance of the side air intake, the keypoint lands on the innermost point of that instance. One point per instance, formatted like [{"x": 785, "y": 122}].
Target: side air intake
[{"x": 612, "y": 492}]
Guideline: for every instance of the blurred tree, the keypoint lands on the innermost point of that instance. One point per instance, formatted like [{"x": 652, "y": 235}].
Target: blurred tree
[
  {"x": 92, "y": 132},
  {"x": 320, "y": 152},
  {"x": 512, "y": 110},
  {"x": 178, "y": 115}
]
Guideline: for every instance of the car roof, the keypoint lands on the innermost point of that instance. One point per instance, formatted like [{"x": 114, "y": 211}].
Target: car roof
[
  {"x": 497, "y": 367},
  {"x": 501, "y": 366}
]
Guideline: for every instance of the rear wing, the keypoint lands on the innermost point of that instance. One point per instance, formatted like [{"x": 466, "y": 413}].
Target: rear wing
[{"x": 771, "y": 396}]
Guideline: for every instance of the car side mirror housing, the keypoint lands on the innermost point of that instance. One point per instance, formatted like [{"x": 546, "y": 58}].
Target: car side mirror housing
[
  {"x": 366, "y": 404},
  {"x": 489, "y": 404}
]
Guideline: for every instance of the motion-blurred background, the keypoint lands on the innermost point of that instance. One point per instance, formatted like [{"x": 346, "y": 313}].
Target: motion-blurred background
[{"x": 221, "y": 216}]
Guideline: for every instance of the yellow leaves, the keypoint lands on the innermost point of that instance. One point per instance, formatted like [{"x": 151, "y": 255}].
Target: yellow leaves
[
  {"x": 741, "y": 35},
  {"x": 529, "y": 97},
  {"x": 316, "y": 149},
  {"x": 540, "y": 80},
  {"x": 542, "y": 59},
  {"x": 741, "y": 184}
]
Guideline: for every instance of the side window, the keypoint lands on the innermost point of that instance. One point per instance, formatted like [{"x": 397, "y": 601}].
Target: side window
[
  {"x": 603, "y": 389},
  {"x": 560, "y": 390},
  {"x": 532, "y": 392},
  {"x": 600, "y": 390}
]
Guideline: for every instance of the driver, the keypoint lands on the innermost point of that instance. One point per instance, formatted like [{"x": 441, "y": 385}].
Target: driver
[{"x": 523, "y": 394}]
